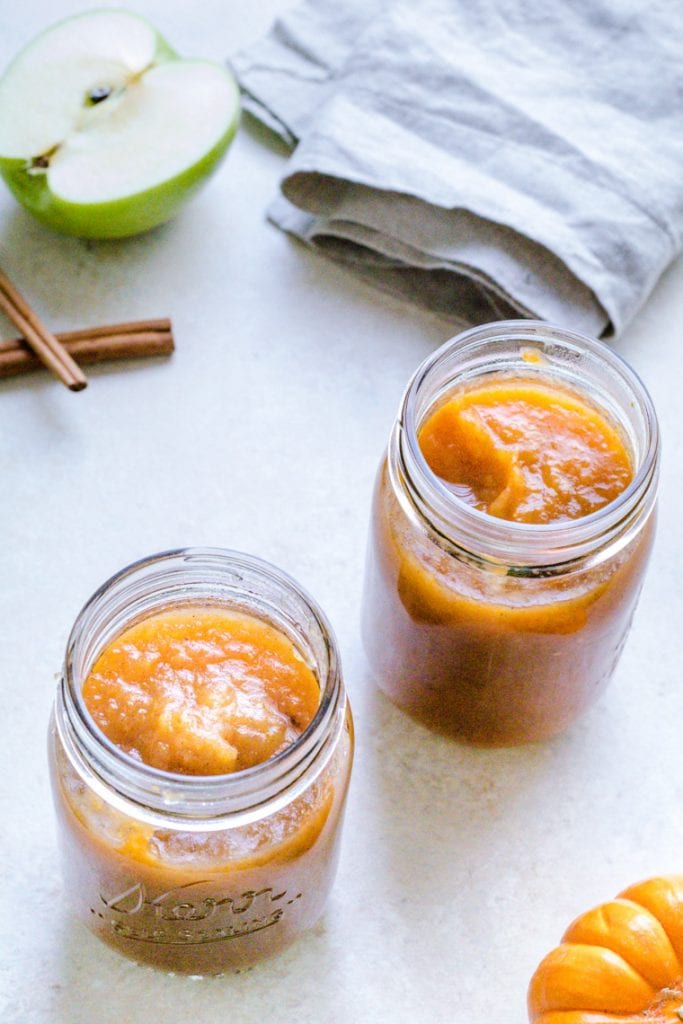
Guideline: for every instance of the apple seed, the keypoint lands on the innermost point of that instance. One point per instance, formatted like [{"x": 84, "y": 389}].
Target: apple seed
[{"x": 99, "y": 93}]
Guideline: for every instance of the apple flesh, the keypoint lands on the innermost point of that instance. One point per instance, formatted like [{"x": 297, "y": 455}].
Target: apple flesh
[{"x": 105, "y": 131}]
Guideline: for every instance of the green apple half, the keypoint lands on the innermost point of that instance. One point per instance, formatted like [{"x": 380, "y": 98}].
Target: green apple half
[{"x": 104, "y": 131}]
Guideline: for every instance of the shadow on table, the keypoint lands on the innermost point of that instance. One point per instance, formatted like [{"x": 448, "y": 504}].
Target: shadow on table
[
  {"x": 99, "y": 986},
  {"x": 457, "y": 833},
  {"x": 264, "y": 135}
]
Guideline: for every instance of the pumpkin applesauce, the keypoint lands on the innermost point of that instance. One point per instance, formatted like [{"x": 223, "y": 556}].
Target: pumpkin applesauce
[
  {"x": 203, "y": 693},
  {"x": 485, "y": 647},
  {"x": 526, "y": 452}
]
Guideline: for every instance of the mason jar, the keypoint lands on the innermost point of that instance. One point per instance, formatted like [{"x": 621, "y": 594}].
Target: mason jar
[
  {"x": 200, "y": 873},
  {"x": 500, "y": 632}
]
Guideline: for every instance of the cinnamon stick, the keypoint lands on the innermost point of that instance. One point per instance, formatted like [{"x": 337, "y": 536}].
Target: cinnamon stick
[
  {"x": 134, "y": 340},
  {"x": 46, "y": 347}
]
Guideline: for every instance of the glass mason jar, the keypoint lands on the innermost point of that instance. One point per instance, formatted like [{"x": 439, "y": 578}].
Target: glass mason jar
[
  {"x": 493, "y": 631},
  {"x": 199, "y": 874}
]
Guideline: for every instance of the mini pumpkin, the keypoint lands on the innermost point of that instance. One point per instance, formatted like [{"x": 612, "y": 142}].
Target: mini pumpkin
[{"x": 620, "y": 963}]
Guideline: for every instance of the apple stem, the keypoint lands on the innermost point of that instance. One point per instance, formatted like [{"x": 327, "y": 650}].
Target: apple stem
[{"x": 39, "y": 164}]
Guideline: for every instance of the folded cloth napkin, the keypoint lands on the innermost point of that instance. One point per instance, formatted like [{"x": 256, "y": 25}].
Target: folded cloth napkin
[{"x": 489, "y": 159}]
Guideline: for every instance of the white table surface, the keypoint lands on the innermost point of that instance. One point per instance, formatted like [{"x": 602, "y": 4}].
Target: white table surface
[{"x": 460, "y": 867}]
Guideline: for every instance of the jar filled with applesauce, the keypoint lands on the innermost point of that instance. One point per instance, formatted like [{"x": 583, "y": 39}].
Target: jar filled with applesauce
[
  {"x": 512, "y": 522},
  {"x": 200, "y": 750}
]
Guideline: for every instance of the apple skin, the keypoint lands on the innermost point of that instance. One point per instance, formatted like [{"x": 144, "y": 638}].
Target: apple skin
[{"x": 120, "y": 218}]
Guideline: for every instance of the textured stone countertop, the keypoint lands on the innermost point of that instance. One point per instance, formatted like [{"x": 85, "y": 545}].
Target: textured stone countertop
[{"x": 460, "y": 867}]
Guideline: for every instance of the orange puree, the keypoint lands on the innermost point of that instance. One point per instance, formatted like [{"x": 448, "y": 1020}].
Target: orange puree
[
  {"x": 526, "y": 452},
  {"x": 201, "y": 691}
]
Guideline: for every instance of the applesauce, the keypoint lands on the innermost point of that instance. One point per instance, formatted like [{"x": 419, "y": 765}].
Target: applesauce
[
  {"x": 201, "y": 750},
  {"x": 201, "y": 690},
  {"x": 505, "y": 558}
]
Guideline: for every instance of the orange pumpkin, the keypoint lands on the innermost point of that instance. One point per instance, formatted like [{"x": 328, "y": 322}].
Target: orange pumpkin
[{"x": 621, "y": 963}]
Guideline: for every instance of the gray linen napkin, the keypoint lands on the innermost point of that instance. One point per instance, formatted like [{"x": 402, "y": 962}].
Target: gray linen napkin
[{"x": 486, "y": 159}]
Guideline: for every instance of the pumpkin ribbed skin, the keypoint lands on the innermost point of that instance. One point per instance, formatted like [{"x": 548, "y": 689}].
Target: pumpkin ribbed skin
[{"x": 619, "y": 963}]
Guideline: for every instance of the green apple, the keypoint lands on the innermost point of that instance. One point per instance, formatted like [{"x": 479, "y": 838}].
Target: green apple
[{"x": 105, "y": 131}]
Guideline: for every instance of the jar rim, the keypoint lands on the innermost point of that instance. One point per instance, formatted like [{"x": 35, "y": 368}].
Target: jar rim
[
  {"x": 129, "y": 779},
  {"x": 542, "y": 545}
]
